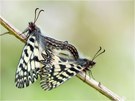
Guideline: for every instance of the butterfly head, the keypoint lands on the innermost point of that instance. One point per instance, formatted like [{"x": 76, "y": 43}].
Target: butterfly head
[
  {"x": 87, "y": 64},
  {"x": 32, "y": 27},
  {"x": 90, "y": 63}
]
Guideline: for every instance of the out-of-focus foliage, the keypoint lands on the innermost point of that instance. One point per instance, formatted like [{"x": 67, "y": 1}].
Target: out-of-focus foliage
[{"x": 87, "y": 25}]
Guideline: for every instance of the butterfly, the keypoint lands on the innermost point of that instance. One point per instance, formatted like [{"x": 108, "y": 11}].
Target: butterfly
[
  {"x": 29, "y": 65},
  {"x": 61, "y": 69},
  {"x": 53, "y": 61}
]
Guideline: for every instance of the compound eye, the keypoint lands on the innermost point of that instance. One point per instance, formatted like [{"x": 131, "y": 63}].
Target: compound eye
[
  {"x": 31, "y": 23},
  {"x": 93, "y": 63}
]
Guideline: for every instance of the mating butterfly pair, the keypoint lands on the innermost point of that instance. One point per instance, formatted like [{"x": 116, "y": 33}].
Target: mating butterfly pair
[{"x": 52, "y": 60}]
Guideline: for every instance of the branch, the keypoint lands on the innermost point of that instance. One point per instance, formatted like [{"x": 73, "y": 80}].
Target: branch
[
  {"x": 82, "y": 75},
  {"x": 12, "y": 30},
  {"x": 99, "y": 87}
]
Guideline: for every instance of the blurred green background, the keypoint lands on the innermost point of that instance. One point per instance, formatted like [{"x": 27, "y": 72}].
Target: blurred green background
[{"x": 85, "y": 24}]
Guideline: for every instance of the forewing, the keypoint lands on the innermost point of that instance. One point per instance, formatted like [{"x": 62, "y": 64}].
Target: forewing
[
  {"x": 29, "y": 65},
  {"x": 59, "y": 71}
]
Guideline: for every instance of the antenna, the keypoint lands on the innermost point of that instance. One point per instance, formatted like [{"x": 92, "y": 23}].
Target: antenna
[
  {"x": 99, "y": 52},
  {"x": 37, "y": 15}
]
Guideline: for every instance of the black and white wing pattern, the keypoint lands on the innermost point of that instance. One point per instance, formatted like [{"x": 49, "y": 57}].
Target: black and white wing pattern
[
  {"x": 29, "y": 65},
  {"x": 38, "y": 59},
  {"x": 60, "y": 70}
]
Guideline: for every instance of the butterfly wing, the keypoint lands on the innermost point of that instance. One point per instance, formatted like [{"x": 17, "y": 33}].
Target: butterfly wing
[
  {"x": 29, "y": 65},
  {"x": 60, "y": 70}
]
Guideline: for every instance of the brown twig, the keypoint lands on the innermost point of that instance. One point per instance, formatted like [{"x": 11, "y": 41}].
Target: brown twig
[
  {"x": 12, "y": 30},
  {"x": 91, "y": 82},
  {"x": 99, "y": 87}
]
